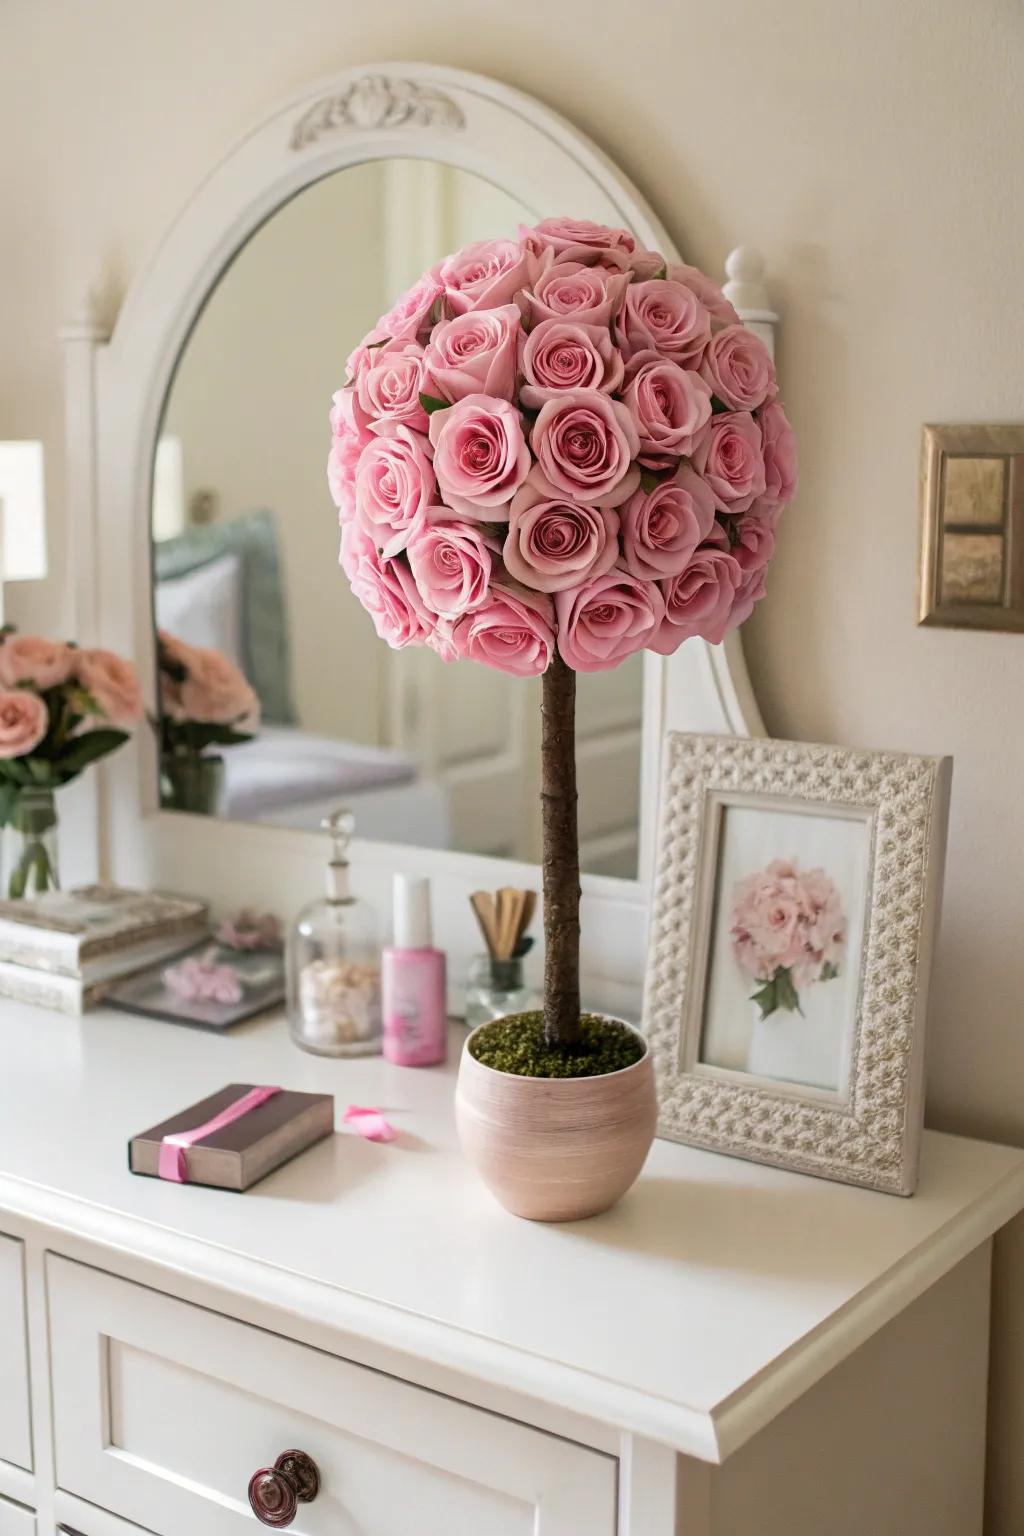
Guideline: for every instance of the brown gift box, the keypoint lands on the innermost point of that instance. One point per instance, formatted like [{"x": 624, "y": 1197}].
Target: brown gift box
[{"x": 252, "y": 1146}]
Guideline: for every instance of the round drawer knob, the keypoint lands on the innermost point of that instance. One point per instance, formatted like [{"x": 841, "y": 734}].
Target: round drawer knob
[{"x": 276, "y": 1492}]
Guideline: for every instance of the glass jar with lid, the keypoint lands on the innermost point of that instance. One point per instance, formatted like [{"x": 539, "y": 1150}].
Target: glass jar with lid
[{"x": 333, "y": 962}]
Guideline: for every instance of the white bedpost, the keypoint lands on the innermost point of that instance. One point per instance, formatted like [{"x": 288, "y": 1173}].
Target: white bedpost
[
  {"x": 745, "y": 289},
  {"x": 80, "y": 802}
]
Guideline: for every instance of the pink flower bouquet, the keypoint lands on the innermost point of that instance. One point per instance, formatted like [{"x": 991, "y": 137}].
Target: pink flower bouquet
[
  {"x": 555, "y": 451},
  {"x": 788, "y": 932},
  {"x": 61, "y": 709},
  {"x": 205, "y": 702}
]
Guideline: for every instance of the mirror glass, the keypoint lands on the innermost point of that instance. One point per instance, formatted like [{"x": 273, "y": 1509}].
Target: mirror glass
[{"x": 245, "y": 558}]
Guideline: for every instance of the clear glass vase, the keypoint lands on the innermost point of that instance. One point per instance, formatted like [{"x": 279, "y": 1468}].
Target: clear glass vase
[
  {"x": 495, "y": 988},
  {"x": 30, "y": 846},
  {"x": 191, "y": 782}
]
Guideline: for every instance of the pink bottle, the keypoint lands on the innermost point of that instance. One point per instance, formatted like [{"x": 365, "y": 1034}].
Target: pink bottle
[{"x": 413, "y": 982}]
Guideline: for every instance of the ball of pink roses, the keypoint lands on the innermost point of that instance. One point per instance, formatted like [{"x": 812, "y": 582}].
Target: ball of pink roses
[{"x": 559, "y": 442}]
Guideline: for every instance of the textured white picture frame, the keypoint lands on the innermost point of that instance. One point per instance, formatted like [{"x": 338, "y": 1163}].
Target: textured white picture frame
[{"x": 871, "y": 1134}]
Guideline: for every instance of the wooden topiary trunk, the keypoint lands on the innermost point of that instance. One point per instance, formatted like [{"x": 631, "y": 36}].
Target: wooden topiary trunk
[{"x": 561, "y": 864}]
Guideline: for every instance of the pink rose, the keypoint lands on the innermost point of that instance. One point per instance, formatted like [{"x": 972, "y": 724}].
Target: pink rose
[
  {"x": 698, "y": 601},
  {"x": 349, "y": 436},
  {"x": 512, "y": 631},
  {"x": 560, "y": 354},
  {"x": 23, "y": 722},
  {"x": 386, "y": 589},
  {"x": 403, "y": 322},
  {"x": 584, "y": 445},
  {"x": 112, "y": 683},
  {"x": 670, "y": 405},
  {"x": 394, "y": 485},
  {"x": 606, "y": 619},
  {"x": 709, "y": 293},
  {"x": 729, "y": 458},
  {"x": 484, "y": 275},
  {"x": 664, "y": 317},
  {"x": 475, "y": 354},
  {"x": 584, "y": 241},
  {"x": 388, "y": 388},
  {"x": 662, "y": 528},
  {"x": 480, "y": 456},
  {"x": 779, "y": 452},
  {"x": 215, "y": 692},
  {"x": 553, "y": 543},
  {"x": 571, "y": 291},
  {"x": 451, "y": 564},
  {"x": 752, "y": 545},
  {"x": 31, "y": 659},
  {"x": 738, "y": 369}
]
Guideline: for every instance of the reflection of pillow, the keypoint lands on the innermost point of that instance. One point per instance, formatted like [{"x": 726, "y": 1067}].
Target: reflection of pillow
[
  {"x": 253, "y": 537},
  {"x": 204, "y": 607}
]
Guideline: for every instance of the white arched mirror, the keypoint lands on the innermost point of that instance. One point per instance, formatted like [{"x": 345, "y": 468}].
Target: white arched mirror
[{"x": 198, "y": 437}]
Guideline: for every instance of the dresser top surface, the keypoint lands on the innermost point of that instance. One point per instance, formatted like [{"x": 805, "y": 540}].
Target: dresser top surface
[{"x": 716, "y": 1289}]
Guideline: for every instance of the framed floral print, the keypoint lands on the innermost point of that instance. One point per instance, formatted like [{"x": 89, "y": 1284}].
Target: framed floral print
[{"x": 796, "y": 897}]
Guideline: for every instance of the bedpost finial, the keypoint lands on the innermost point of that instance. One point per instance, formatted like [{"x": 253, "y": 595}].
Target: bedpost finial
[{"x": 745, "y": 288}]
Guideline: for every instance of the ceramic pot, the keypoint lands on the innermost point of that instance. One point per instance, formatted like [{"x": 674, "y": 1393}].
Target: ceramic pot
[{"x": 556, "y": 1148}]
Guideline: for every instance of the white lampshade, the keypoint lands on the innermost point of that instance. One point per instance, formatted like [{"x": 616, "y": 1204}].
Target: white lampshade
[{"x": 22, "y": 512}]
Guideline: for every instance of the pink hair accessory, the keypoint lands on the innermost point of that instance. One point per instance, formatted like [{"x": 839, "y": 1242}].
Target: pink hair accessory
[
  {"x": 369, "y": 1123},
  {"x": 203, "y": 980}
]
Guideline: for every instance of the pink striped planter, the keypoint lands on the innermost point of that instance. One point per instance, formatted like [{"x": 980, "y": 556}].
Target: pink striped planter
[{"x": 554, "y": 1148}]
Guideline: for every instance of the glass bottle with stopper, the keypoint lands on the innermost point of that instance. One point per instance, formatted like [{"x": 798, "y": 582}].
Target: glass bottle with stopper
[{"x": 334, "y": 962}]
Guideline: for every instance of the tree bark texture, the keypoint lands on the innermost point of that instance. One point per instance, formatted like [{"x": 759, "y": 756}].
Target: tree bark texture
[{"x": 561, "y": 865}]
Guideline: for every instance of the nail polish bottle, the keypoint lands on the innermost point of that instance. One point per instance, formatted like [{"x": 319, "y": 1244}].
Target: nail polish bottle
[{"x": 413, "y": 981}]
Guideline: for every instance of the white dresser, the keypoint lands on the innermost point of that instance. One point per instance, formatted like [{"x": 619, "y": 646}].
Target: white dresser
[{"x": 731, "y": 1351}]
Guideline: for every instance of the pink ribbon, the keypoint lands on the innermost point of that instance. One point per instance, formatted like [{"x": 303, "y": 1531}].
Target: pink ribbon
[
  {"x": 172, "y": 1165},
  {"x": 369, "y": 1123}
]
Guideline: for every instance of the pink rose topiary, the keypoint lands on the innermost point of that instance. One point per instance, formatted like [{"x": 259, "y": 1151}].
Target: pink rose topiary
[{"x": 552, "y": 452}]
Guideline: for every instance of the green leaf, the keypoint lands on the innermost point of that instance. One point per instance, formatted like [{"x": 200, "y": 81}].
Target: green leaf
[
  {"x": 829, "y": 972},
  {"x": 786, "y": 992},
  {"x": 661, "y": 274},
  {"x": 431, "y": 403},
  {"x": 8, "y": 800},
  {"x": 765, "y": 999},
  {"x": 77, "y": 754},
  {"x": 648, "y": 480}
]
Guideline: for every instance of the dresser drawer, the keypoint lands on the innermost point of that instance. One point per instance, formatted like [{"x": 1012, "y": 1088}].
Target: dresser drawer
[
  {"x": 15, "y": 1431},
  {"x": 16, "y": 1520},
  {"x": 163, "y": 1411}
]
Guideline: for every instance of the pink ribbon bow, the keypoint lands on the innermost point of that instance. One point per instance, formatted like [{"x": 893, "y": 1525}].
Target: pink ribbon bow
[
  {"x": 369, "y": 1123},
  {"x": 171, "y": 1163}
]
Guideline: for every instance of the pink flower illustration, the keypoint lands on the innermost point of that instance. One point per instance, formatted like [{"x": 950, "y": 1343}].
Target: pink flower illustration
[{"x": 788, "y": 932}]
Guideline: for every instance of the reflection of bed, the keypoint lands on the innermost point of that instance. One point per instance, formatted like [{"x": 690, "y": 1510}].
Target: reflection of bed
[{"x": 291, "y": 778}]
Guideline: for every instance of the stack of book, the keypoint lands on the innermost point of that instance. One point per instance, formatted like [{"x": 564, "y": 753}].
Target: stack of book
[{"x": 64, "y": 948}]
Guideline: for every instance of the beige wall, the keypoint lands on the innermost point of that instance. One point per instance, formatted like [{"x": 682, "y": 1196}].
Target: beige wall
[{"x": 872, "y": 149}]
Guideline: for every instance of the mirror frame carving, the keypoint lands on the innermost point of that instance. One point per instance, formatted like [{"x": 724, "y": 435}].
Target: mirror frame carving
[{"x": 116, "y": 383}]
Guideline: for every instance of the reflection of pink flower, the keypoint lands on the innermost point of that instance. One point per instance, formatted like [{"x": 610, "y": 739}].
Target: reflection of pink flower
[
  {"x": 200, "y": 980},
  {"x": 250, "y": 930},
  {"x": 787, "y": 929}
]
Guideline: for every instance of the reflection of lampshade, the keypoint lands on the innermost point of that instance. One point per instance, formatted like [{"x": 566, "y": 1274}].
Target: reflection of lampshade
[{"x": 22, "y": 514}]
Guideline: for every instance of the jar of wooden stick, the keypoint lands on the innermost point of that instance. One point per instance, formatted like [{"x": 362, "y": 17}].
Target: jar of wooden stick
[{"x": 495, "y": 985}]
